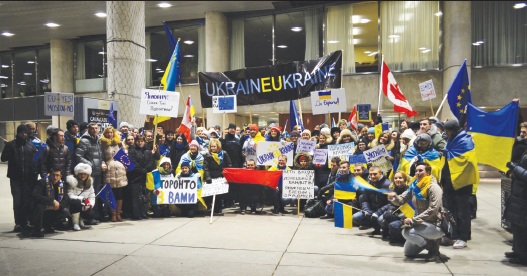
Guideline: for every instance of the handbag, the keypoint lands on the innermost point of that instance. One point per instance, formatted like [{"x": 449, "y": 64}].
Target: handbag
[
  {"x": 314, "y": 208},
  {"x": 448, "y": 223}
]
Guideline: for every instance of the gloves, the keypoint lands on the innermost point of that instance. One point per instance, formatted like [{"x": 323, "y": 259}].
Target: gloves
[
  {"x": 511, "y": 165},
  {"x": 209, "y": 181}
]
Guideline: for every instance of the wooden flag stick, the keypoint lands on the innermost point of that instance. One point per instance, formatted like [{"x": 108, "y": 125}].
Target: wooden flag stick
[
  {"x": 212, "y": 208},
  {"x": 431, "y": 107},
  {"x": 298, "y": 206}
]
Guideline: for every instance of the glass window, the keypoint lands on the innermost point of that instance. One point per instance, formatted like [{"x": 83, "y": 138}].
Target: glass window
[
  {"x": 258, "y": 41},
  {"x": 90, "y": 60},
  {"x": 410, "y": 35},
  {"x": 290, "y": 37},
  {"x": 499, "y": 33},
  {"x": 25, "y": 73},
  {"x": 44, "y": 71},
  {"x": 6, "y": 77}
]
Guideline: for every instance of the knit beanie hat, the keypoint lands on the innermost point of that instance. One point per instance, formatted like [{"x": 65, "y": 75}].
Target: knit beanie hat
[{"x": 22, "y": 128}]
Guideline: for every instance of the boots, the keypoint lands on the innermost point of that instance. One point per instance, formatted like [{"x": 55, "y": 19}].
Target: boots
[
  {"x": 75, "y": 218},
  {"x": 119, "y": 209},
  {"x": 433, "y": 250},
  {"x": 114, "y": 216},
  {"x": 81, "y": 224}
]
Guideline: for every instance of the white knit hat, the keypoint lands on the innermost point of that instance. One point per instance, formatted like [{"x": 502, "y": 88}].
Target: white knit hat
[{"x": 82, "y": 168}]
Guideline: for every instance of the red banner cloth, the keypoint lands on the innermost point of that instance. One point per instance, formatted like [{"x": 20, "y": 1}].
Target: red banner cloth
[{"x": 252, "y": 177}]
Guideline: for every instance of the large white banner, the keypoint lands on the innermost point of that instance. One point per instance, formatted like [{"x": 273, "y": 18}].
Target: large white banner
[
  {"x": 183, "y": 190},
  {"x": 217, "y": 187},
  {"x": 298, "y": 184},
  {"x": 161, "y": 103},
  {"x": 267, "y": 153},
  {"x": 58, "y": 104},
  {"x": 340, "y": 150},
  {"x": 377, "y": 156},
  {"x": 328, "y": 101}
]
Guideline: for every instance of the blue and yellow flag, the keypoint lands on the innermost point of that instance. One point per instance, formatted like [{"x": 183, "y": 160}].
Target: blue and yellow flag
[
  {"x": 408, "y": 209},
  {"x": 345, "y": 190},
  {"x": 459, "y": 92},
  {"x": 462, "y": 160},
  {"x": 196, "y": 163},
  {"x": 493, "y": 134},
  {"x": 343, "y": 215},
  {"x": 430, "y": 157},
  {"x": 153, "y": 180}
]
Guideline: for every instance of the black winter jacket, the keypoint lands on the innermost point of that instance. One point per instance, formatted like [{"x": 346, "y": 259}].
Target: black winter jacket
[
  {"x": 19, "y": 155},
  {"x": 56, "y": 157},
  {"x": 371, "y": 201},
  {"x": 45, "y": 192},
  {"x": 516, "y": 211},
  {"x": 233, "y": 147},
  {"x": 89, "y": 152},
  {"x": 144, "y": 162},
  {"x": 213, "y": 169}
]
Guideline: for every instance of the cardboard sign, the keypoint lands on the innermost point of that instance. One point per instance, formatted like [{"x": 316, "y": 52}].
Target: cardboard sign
[
  {"x": 224, "y": 104},
  {"x": 183, "y": 190},
  {"x": 328, "y": 101},
  {"x": 377, "y": 156},
  {"x": 320, "y": 156},
  {"x": 298, "y": 184},
  {"x": 218, "y": 186},
  {"x": 307, "y": 146},
  {"x": 341, "y": 150},
  {"x": 267, "y": 153},
  {"x": 161, "y": 103},
  {"x": 58, "y": 104},
  {"x": 427, "y": 90}
]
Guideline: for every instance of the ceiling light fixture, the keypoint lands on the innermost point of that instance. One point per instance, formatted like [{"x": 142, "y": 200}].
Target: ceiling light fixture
[
  {"x": 52, "y": 25},
  {"x": 520, "y": 5},
  {"x": 296, "y": 29},
  {"x": 333, "y": 41},
  {"x": 28, "y": 74},
  {"x": 422, "y": 48},
  {"x": 5, "y": 66},
  {"x": 372, "y": 54},
  {"x": 189, "y": 42},
  {"x": 164, "y": 5},
  {"x": 30, "y": 62},
  {"x": 102, "y": 53},
  {"x": 367, "y": 52},
  {"x": 364, "y": 20},
  {"x": 394, "y": 36},
  {"x": 188, "y": 56},
  {"x": 8, "y": 34},
  {"x": 425, "y": 51},
  {"x": 100, "y": 14},
  {"x": 438, "y": 13},
  {"x": 151, "y": 60},
  {"x": 282, "y": 46}
]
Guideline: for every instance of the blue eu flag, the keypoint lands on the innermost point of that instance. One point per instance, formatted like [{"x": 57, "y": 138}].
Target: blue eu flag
[
  {"x": 111, "y": 117},
  {"x": 122, "y": 157},
  {"x": 106, "y": 194},
  {"x": 459, "y": 93}
]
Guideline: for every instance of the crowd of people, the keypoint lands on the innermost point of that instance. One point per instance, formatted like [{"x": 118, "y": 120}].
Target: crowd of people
[{"x": 54, "y": 181}]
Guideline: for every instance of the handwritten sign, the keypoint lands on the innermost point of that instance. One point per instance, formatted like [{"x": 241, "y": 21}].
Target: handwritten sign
[
  {"x": 224, "y": 104},
  {"x": 320, "y": 157},
  {"x": 328, "y": 101},
  {"x": 58, "y": 104},
  {"x": 427, "y": 90},
  {"x": 267, "y": 153},
  {"x": 377, "y": 156},
  {"x": 341, "y": 150},
  {"x": 307, "y": 146},
  {"x": 183, "y": 190},
  {"x": 218, "y": 186},
  {"x": 298, "y": 184},
  {"x": 161, "y": 103}
]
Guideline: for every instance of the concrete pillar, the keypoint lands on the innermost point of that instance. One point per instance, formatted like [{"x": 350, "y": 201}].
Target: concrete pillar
[
  {"x": 61, "y": 55},
  {"x": 457, "y": 45},
  {"x": 216, "y": 53},
  {"x": 125, "y": 38}
]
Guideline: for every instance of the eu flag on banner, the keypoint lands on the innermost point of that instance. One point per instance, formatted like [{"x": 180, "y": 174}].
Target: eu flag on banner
[
  {"x": 226, "y": 103},
  {"x": 106, "y": 194},
  {"x": 122, "y": 157},
  {"x": 294, "y": 117},
  {"x": 111, "y": 117},
  {"x": 459, "y": 92}
]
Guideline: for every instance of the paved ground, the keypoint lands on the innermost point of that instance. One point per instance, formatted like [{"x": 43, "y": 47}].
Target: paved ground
[{"x": 244, "y": 245}]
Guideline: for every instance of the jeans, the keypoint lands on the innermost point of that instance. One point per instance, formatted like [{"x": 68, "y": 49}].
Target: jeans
[{"x": 417, "y": 236}]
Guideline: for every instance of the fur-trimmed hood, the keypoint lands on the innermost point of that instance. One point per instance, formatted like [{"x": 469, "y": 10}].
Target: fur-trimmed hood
[
  {"x": 390, "y": 146},
  {"x": 116, "y": 140},
  {"x": 296, "y": 161},
  {"x": 347, "y": 132},
  {"x": 73, "y": 182}
]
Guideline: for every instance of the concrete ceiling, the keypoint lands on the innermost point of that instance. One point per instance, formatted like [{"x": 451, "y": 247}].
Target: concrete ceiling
[{"x": 27, "y": 19}]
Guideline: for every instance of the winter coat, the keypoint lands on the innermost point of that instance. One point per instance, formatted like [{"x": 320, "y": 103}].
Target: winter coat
[
  {"x": 71, "y": 142},
  {"x": 519, "y": 147},
  {"x": 177, "y": 151},
  {"x": 426, "y": 210},
  {"x": 19, "y": 155},
  {"x": 79, "y": 191},
  {"x": 438, "y": 142},
  {"x": 116, "y": 172},
  {"x": 45, "y": 193},
  {"x": 232, "y": 146},
  {"x": 144, "y": 162},
  {"x": 214, "y": 170},
  {"x": 296, "y": 161},
  {"x": 371, "y": 201},
  {"x": 516, "y": 211},
  {"x": 56, "y": 157},
  {"x": 89, "y": 152}
]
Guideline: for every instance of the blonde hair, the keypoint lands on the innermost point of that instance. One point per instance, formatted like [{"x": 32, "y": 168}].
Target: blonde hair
[{"x": 215, "y": 141}]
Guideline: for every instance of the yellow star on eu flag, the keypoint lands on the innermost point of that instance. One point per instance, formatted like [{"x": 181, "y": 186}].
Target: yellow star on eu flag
[
  {"x": 458, "y": 104},
  {"x": 462, "y": 90},
  {"x": 459, "y": 97}
]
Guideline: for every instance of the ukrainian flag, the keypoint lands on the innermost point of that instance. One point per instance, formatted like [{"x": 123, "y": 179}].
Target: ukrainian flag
[
  {"x": 153, "y": 180},
  {"x": 493, "y": 133},
  {"x": 462, "y": 160},
  {"x": 324, "y": 95},
  {"x": 343, "y": 215},
  {"x": 362, "y": 184},
  {"x": 430, "y": 157},
  {"x": 345, "y": 190},
  {"x": 408, "y": 209},
  {"x": 171, "y": 78}
]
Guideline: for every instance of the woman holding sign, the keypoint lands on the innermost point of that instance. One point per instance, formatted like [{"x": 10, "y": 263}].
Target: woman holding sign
[
  {"x": 322, "y": 171},
  {"x": 213, "y": 164}
]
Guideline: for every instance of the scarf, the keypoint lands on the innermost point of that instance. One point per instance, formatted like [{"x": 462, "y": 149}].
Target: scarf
[
  {"x": 218, "y": 157},
  {"x": 420, "y": 189},
  {"x": 258, "y": 138}
]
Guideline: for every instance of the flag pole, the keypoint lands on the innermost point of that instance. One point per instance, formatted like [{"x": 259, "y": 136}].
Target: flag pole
[
  {"x": 212, "y": 209},
  {"x": 300, "y": 111},
  {"x": 250, "y": 114},
  {"x": 441, "y": 105},
  {"x": 431, "y": 107},
  {"x": 298, "y": 205},
  {"x": 380, "y": 87}
]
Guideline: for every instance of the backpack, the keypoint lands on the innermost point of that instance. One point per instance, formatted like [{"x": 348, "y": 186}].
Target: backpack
[
  {"x": 314, "y": 208},
  {"x": 448, "y": 223}
]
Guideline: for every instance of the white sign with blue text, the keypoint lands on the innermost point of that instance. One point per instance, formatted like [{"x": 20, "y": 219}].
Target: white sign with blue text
[
  {"x": 160, "y": 103},
  {"x": 58, "y": 104},
  {"x": 328, "y": 101}
]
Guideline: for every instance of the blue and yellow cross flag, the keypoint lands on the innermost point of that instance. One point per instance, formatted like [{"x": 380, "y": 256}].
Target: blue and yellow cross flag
[
  {"x": 343, "y": 215},
  {"x": 493, "y": 134},
  {"x": 459, "y": 92}
]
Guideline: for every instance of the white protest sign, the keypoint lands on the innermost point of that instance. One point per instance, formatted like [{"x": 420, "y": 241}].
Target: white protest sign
[
  {"x": 224, "y": 104},
  {"x": 307, "y": 146},
  {"x": 320, "y": 156},
  {"x": 328, "y": 101},
  {"x": 298, "y": 184},
  {"x": 340, "y": 150},
  {"x": 58, "y": 104},
  {"x": 427, "y": 90},
  {"x": 377, "y": 156},
  {"x": 183, "y": 190},
  {"x": 161, "y": 103},
  {"x": 217, "y": 187},
  {"x": 267, "y": 153}
]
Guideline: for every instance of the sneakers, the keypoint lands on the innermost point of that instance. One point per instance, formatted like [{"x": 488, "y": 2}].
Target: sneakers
[
  {"x": 459, "y": 244},
  {"x": 76, "y": 227},
  {"x": 326, "y": 216}
]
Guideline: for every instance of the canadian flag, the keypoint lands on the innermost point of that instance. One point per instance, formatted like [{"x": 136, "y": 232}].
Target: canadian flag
[
  {"x": 391, "y": 89},
  {"x": 353, "y": 119},
  {"x": 186, "y": 122}
]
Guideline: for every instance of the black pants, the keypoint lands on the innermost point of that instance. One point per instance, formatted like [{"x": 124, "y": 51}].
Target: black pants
[
  {"x": 457, "y": 202},
  {"x": 99, "y": 210},
  {"x": 118, "y": 193},
  {"x": 519, "y": 242},
  {"x": 22, "y": 192},
  {"x": 42, "y": 217},
  {"x": 249, "y": 196}
]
